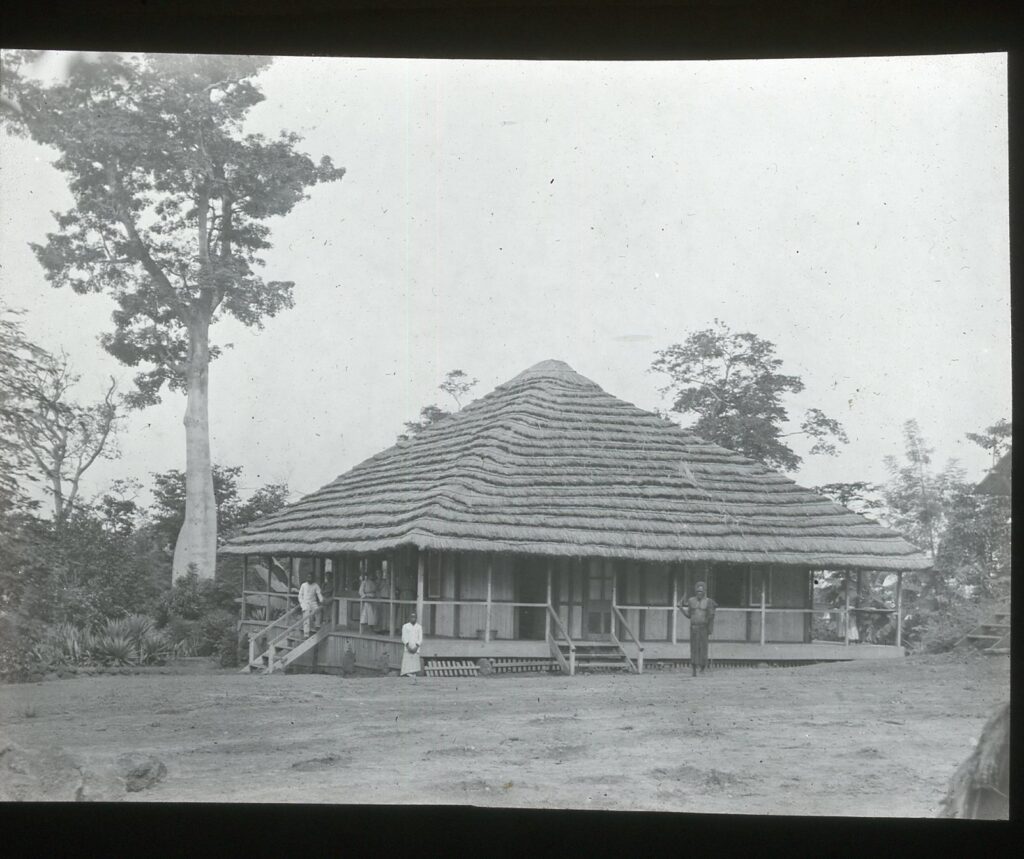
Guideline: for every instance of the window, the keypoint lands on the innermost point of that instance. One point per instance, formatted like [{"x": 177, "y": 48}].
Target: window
[
  {"x": 756, "y": 574},
  {"x": 434, "y": 580},
  {"x": 728, "y": 585}
]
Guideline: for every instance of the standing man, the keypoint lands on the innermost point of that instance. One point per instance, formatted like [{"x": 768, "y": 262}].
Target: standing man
[
  {"x": 310, "y": 598},
  {"x": 412, "y": 638},
  {"x": 701, "y": 612}
]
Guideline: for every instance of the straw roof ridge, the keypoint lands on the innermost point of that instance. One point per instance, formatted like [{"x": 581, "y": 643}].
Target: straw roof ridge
[{"x": 549, "y": 463}]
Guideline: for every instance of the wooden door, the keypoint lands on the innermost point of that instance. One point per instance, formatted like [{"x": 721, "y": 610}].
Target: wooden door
[
  {"x": 531, "y": 585},
  {"x": 597, "y": 601}
]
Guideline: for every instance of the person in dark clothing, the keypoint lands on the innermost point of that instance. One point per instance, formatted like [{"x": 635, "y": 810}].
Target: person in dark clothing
[{"x": 701, "y": 612}]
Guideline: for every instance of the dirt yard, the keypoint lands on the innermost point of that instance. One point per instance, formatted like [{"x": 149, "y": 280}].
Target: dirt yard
[{"x": 869, "y": 738}]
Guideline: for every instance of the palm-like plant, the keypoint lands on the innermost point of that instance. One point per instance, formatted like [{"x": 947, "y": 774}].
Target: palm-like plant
[{"x": 113, "y": 648}]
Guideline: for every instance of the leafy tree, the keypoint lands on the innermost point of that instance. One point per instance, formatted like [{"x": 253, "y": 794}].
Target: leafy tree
[
  {"x": 19, "y": 360},
  {"x": 62, "y": 437},
  {"x": 917, "y": 496},
  {"x": 731, "y": 384},
  {"x": 975, "y": 547},
  {"x": 19, "y": 529},
  {"x": 118, "y": 507},
  {"x": 264, "y": 501},
  {"x": 168, "y": 509},
  {"x": 996, "y": 439},
  {"x": 172, "y": 204},
  {"x": 859, "y": 496},
  {"x": 456, "y": 384}
]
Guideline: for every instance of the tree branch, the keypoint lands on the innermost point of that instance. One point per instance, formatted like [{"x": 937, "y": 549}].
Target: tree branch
[{"x": 148, "y": 263}]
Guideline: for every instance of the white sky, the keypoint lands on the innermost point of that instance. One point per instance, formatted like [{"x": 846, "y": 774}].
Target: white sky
[{"x": 494, "y": 214}]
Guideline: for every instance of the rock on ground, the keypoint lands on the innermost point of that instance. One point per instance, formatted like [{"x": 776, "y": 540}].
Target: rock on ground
[
  {"x": 140, "y": 771},
  {"x": 51, "y": 775}
]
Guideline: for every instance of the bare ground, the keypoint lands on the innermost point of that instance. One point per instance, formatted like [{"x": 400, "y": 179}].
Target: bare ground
[{"x": 874, "y": 738}]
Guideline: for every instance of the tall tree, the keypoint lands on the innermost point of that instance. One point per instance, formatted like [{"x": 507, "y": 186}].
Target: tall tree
[
  {"x": 916, "y": 495},
  {"x": 172, "y": 204},
  {"x": 731, "y": 384}
]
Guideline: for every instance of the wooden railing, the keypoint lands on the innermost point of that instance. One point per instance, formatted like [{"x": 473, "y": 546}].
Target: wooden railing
[
  {"x": 264, "y": 633},
  {"x": 384, "y": 604},
  {"x": 272, "y": 646},
  {"x": 763, "y": 611},
  {"x": 639, "y": 666},
  {"x": 556, "y": 651}
]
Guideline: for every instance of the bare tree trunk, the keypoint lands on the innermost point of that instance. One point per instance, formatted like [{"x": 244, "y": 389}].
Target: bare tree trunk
[{"x": 197, "y": 541}]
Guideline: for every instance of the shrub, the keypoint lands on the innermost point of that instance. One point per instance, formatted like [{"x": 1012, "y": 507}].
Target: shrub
[
  {"x": 155, "y": 648},
  {"x": 220, "y": 637},
  {"x": 112, "y": 648},
  {"x": 72, "y": 643},
  {"x": 942, "y": 630},
  {"x": 184, "y": 635},
  {"x": 19, "y": 660}
]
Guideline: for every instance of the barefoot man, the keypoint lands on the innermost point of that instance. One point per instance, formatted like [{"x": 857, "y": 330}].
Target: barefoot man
[
  {"x": 701, "y": 612},
  {"x": 412, "y": 638}
]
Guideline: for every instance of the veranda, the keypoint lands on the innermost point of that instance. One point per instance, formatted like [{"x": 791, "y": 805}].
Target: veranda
[{"x": 551, "y": 610}]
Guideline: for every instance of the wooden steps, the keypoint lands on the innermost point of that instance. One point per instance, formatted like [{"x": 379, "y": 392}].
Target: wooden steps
[
  {"x": 598, "y": 656},
  {"x": 993, "y": 636}
]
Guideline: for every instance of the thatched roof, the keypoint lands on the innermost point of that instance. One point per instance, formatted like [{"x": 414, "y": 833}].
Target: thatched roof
[{"x": 550, "y": 464}]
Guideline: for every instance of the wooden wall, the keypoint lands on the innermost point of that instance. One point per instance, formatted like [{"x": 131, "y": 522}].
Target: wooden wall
[
  {"x": 464, "y": 576},
  {"x": 473, "y": 586}
]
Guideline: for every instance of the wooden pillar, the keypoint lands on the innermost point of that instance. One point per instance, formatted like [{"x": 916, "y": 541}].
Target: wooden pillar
[
  {"x": 846, "y": 612},
  {"x": 245, "y": 584},
  {"x": 899, "y": 608},
  {"x": 858, "y": 615},
  {"x": 487, "y": 613},
  {"x": 809, "y": 622},
  {"x": 392, "y": 572},
  {"x": 547, "y": 614},
  {"x": 764, "y": 614},
  {"x": 615, "y": 602},
  {"x": 420, "y": 569},
  {"x": 675, "y": 603},
  {"x": 457, "y": 591}
]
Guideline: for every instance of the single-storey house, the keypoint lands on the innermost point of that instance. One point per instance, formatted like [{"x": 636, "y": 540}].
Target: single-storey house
[{"x": 551, "y": 524}]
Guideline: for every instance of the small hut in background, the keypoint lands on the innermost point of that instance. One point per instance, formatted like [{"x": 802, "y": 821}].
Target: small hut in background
[{"x": 551, "y": 524}]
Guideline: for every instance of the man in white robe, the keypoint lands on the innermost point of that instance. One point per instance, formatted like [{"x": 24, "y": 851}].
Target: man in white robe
[
  {"x": 310, "y": 597},
  {"x": 412, "y": 639}
]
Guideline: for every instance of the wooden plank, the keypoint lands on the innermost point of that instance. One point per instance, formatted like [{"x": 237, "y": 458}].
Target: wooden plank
[
  {"x": 420, "y": 568},
  {"x": 487, "y": 616},
  {"x": 547, "y": 614},
  {"x": 764, "y": 614},
  {"x": 899, "y": 609},
  {"x": 675, "y": 603},
  {"x": 846, "y": 612}
]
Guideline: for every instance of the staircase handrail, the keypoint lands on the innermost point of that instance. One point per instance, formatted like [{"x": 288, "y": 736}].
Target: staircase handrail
[
  {"x": 263, "y": 633},
  {"x": 622, "y": 651},
  {"x": 301, "y": 648},
  {"x": 272, "y": 646},
  {"x": 570, "y": 666},
  {"x": 636, "y": 641}
]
